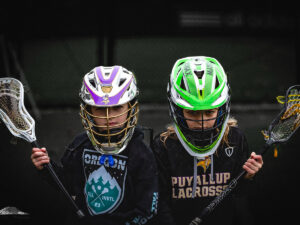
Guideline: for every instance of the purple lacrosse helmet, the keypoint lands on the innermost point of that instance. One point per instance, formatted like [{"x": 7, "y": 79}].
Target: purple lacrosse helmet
[{"x": 106, "y": 87}]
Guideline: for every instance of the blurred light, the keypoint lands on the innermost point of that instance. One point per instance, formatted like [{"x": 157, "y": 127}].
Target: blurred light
[
  {"x": 199, "y": 19},
  {"x": 234, "y": 19}
]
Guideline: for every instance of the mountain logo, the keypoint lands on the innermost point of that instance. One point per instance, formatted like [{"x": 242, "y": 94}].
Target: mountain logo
[
  {"x": 104, "y": 184},
  {"x": 102, "y": 191}
]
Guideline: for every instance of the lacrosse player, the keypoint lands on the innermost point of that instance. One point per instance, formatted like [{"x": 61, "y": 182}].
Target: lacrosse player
[
  {"x": 108, "y": 169},
  {"x": 200, "y": 154}
]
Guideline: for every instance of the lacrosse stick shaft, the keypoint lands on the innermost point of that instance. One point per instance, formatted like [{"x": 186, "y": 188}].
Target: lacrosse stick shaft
[
  {"x": 54, "y": 176},
  {"x": 217, "y": 200}
]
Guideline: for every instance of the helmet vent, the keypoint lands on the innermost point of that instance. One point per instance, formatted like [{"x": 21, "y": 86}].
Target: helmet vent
[
  {"x": 217, "y": 83},
  {"x": 199, "y": 74},
  {"x": 125, "y": 71},
  {"x": 121, "y": 82},
  {"x": 92, "y": 82},
  {"x": 182, "y": 85}
]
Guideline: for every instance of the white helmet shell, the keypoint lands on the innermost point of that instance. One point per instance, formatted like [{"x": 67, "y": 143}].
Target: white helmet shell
[{"x": 108, "y": 86}]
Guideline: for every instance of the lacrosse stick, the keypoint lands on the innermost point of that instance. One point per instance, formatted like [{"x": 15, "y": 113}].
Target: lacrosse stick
[
  {"x": 280, "y": 130},
  {"x": 22, "y": 125}
]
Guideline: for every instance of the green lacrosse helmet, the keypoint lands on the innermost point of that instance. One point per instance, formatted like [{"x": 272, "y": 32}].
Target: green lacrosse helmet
[{"x": 199, "y": 83}]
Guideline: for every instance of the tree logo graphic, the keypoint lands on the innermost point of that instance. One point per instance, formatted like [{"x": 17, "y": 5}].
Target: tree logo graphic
[{"x": 102, "y": 191}]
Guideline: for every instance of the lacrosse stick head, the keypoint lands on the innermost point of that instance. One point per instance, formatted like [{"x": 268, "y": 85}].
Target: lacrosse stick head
[
  {"x": 12, "y": 110},
  {"x": 287, "y": 122}
]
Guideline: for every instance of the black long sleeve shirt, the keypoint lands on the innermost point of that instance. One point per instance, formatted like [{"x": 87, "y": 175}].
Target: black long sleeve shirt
[
  {"x": 125, "y": 193},
  {"x": 176, "y": 168}
]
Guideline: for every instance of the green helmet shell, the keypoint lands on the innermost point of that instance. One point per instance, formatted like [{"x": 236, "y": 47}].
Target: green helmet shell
[{"x": 198, "y": 83}]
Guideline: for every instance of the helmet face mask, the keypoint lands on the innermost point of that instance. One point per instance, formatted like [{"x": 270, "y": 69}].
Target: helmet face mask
[
  {"x": 199, "y": 84},
  {"x": 109, "y": 108},
  {"x": 201, "y": 137}
]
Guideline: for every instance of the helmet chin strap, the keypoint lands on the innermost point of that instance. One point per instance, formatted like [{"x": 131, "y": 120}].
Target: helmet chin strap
[{"x": 200, "y": 155}]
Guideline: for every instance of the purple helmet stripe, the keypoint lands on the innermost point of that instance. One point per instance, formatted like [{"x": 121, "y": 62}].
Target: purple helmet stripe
[
  {"x": 115, "y": 99},
  {"x": 96, "y": 98},
  {"x": 106, "y": 100},
  {"x": 111, "y": 77}
]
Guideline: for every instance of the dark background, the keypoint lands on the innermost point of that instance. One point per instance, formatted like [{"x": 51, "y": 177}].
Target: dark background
[{"x": 50, "y": 45}]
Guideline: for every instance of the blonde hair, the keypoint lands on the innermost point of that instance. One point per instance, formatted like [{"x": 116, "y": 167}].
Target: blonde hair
[{"x": 170, "y": 133}]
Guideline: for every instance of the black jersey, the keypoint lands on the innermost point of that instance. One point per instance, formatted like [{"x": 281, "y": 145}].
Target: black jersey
[
  {"x": 182, "y": 199},
  {"x": 123, "y": 193}
]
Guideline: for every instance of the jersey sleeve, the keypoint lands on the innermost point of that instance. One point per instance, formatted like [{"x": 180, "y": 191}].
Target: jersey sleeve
[
  {"x": 145, "y": 185},
  {"x": 65, "y": 169},
  {"x": 165, "y": 215},
  {"x": 244, "y": 154}
]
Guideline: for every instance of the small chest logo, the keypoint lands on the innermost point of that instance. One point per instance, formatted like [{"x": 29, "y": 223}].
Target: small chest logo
[
  {"x": 229, "y": 151},
  {"x": 204, "y": 163}
]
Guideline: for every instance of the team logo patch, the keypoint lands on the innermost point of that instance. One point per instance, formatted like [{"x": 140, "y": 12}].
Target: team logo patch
[
  {"x": 229, "y": 151},
  {"x": 105, "y": 99},
  {"x": 204, "y": 163},
  {"x": 104, "y": 186}
]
